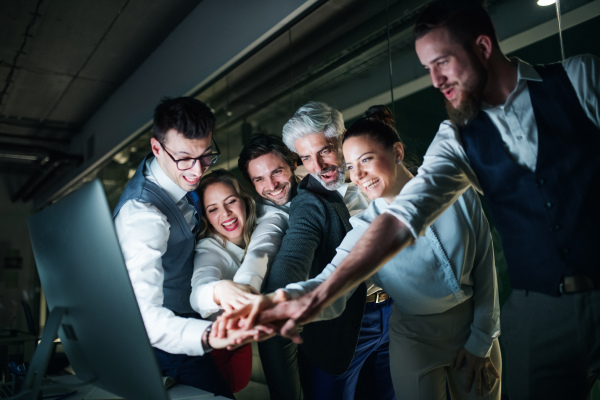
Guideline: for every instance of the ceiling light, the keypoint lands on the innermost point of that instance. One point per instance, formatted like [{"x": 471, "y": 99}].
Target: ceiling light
[{"x": 546, "y": 2}]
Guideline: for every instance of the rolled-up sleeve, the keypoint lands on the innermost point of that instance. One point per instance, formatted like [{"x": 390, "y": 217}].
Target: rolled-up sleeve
[{"x": 443, "y": 178}]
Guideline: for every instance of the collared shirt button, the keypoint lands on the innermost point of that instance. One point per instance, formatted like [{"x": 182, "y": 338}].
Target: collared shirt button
[
  {"x": 519, "y": 137},
  {"x": 548, "y": 205},
  {"x": 556, "y": 227}
]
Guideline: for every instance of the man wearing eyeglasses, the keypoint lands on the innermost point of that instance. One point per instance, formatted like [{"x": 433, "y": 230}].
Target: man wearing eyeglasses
[{"x": 156, "y": 222}]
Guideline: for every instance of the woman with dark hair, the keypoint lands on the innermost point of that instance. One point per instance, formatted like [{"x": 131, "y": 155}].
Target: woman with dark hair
[
  {"x": 228, "y": 221},
  {"x": 445, "y": 323}
]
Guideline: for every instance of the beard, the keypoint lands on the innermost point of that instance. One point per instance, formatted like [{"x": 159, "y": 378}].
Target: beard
[
  {"x": 470, "y": 102},
  {"x": 333, "y": 185}
]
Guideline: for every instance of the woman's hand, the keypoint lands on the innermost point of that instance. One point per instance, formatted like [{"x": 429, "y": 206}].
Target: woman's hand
[
  {"x": 246, "y": 316},
  {"x": 232, "y": 296},
  {"x": 478, "y": 370},
  {"x": 220, "y": 337}
]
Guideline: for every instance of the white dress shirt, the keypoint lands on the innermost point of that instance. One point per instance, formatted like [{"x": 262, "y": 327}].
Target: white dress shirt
[
  {"x": 212, "y": 263},
  {"x": 354, "y": 198},
  {"x": 143, "y": 232},
  {"x": 454, "y": 262},
  {"x": 446, "y": 172},
  {"x": 272, "y": 223}
]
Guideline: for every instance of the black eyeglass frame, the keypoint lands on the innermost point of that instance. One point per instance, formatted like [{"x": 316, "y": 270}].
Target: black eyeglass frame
[{"x": 213, "y": 161}]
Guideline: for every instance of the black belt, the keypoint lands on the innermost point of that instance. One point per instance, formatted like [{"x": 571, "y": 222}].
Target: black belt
[
  {"x": 577, "y": 284},
  {"x": 377, "y": 297}
]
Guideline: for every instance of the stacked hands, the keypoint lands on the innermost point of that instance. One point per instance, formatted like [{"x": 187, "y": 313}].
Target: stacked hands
[{"x": 251, "y": 316}]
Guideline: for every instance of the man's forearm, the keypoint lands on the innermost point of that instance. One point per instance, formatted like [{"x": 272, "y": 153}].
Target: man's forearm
[{"x": 384, "y": 238}]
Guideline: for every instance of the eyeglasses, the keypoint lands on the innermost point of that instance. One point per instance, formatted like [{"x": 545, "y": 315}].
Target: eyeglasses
[{"x": 188, "y": 163}]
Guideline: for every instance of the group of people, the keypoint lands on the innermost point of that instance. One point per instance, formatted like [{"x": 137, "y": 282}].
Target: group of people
[{"x": 385, "y": 286}]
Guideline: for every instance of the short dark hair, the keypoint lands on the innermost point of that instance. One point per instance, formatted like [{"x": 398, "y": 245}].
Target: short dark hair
[
  {"x": 187, "y": 115},
  {"x": 261, "y": 144},
  {"x": 465, "y": 20}
]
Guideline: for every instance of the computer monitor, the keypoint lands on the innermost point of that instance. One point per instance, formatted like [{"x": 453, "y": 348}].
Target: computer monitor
[{"x": 90, "y": 297}]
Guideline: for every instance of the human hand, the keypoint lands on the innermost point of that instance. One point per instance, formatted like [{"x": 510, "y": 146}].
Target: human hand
[
  {"x": 286, "y": 317},
  {"x": 231, "y": 295},
  {"x": 220, "y": 337},
  {"x": 245, "y": 317},
  {"x": 478, "y": 370}
]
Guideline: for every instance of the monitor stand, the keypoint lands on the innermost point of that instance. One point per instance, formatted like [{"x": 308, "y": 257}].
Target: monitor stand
[{"x": 32, "y": 384}]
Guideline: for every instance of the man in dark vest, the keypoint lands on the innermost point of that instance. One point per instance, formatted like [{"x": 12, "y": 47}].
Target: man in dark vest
[
  {"x": 336, "y": 354},
  {"x": 527, "y": 138},
  {"x": 156, "y": 221}
]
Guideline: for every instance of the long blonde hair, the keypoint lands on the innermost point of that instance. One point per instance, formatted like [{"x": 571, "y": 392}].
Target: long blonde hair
[{"x": 223, "y": 176}]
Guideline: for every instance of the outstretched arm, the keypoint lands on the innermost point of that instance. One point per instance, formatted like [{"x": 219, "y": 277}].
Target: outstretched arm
[
  {"x": 143, "y": 232},
  {"x": 218, "y": 336},
  {"x": 382, "y": 240},
  {"x": 262, "y": 249}
]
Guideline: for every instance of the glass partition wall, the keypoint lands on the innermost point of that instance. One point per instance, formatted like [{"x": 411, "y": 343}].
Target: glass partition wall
[{"x": 353, "y": 54}]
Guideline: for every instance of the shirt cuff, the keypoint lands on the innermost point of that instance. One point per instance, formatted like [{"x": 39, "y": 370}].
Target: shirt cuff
[
  {"x": 479, "y": 346},
  {"x": 192, "y": 336},
  {"x": 402, "y": 218},
  {"x": 249, "y": 279}
]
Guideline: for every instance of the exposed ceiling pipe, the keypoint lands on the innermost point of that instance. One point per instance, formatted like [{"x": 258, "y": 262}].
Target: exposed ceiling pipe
[
  {"x": 49, "y": 165},
  {"x": 23, "y": 154}
]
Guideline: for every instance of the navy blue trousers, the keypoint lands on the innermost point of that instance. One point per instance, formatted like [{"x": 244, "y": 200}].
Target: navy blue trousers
[
  {"x": 368, "y": 376},
  {"x": 197, "y": 371}
]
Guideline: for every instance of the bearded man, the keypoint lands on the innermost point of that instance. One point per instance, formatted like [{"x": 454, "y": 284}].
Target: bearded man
[{"x": 526, "y": 137}]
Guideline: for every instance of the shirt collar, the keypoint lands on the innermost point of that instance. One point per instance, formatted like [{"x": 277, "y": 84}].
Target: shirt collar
[
  {"x": 526, "y": 71},
  {"x": 342, "y": 190},
  {"x": 175, "y": 192}
]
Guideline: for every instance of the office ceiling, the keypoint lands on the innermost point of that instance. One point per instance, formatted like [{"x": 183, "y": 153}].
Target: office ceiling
[{"x": 61, "y": 60}]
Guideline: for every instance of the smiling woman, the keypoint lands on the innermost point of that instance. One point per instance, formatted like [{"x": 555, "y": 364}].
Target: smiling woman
[
  {"x": 228, "y": 220},
  {"x": 445, "y": 323}
]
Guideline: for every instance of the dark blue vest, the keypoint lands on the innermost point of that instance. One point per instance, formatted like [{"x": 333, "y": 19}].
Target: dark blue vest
[
  {"x": 548, "y": 219},
  {"x": 178, "y": 261}
]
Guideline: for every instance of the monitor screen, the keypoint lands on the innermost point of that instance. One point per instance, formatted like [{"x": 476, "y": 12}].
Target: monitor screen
[{"x": 82, "y": 270}]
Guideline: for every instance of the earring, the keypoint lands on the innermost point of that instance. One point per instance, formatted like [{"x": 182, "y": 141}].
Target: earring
[{"x": 399, "y": 161}]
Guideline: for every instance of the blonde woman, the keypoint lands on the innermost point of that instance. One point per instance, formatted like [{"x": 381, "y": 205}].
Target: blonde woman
[{"x": 229, "y": 218}]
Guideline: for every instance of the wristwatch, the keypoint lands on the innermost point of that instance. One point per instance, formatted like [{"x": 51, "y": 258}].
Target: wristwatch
[{"x": 205, "y": 340}]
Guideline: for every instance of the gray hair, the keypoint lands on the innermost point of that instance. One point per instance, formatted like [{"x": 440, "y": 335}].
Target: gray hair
[{"x": 313, "y": 117}]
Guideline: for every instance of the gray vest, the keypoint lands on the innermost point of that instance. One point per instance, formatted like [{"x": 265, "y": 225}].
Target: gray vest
[{"x": 178, "y": 261}]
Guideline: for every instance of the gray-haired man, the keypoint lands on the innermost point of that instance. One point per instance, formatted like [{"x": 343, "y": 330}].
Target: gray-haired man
[{"x": 335, "y": 353}]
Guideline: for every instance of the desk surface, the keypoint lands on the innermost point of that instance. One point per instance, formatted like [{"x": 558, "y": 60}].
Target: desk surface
[{"x": 82, "y": 391}]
